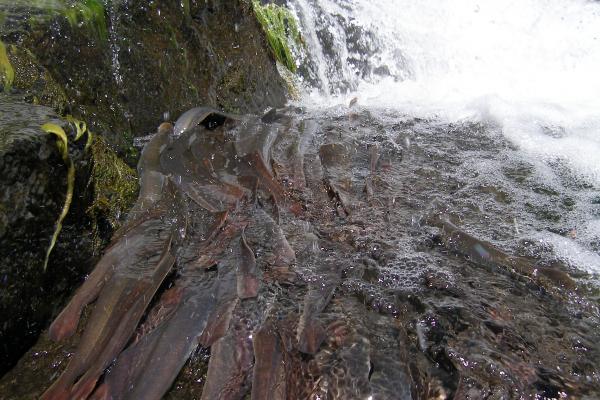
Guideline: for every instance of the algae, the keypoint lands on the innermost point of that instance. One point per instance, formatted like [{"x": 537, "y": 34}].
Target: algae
[
  {"x": 115, "y": 186},
  {"x": 87, "y": 12},
  {"x": 81, "y": 128},
  {"x": 281, "y": 30},
  {"x": 63, "y": 146},
  {"x": 114, "y": 183},
  {"x": 7, "y": 73}
]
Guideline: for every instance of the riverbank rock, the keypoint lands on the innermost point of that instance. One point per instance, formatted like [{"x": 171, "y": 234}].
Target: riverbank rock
[
  {"x": 33, "y": 187},
  {"x": 126, "y": 66}
]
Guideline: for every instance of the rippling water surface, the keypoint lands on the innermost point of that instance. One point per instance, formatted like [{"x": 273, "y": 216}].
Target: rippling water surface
[{"x": 525, "y": 70}]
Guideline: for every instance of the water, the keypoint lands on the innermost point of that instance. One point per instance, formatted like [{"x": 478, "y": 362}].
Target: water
[{"x": 524, "y": 69}]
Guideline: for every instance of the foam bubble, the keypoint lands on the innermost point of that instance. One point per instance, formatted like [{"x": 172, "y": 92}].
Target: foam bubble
[
  {"x": 529, "y": 65},
  {"x": 570, "y": 251}
]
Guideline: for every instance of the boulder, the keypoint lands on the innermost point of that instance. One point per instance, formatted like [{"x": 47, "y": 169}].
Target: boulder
[
  {"x": 33, "y": 186},
  {"x": 126, "y": 66}
]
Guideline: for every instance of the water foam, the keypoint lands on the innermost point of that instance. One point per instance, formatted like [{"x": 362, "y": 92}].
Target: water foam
[
  {"x": 529, "y": 65},
  {"x": 570, "y": 251}
]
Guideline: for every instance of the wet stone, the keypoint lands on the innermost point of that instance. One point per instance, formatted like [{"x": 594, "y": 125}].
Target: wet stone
[{"x": 33, "y": 185}]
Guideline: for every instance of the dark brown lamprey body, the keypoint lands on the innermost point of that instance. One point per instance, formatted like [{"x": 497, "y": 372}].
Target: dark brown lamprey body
[
  {"x": 485, "y": 253},
  {"x": 274, "y": 242}
]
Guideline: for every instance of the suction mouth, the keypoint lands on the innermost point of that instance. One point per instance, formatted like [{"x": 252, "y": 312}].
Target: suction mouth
[{"x": 208, "y": 117}]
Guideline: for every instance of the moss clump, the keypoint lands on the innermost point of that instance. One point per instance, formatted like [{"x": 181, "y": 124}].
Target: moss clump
[
  {"x": 7, "y": 73},
  {"x": 115, "y": 186},
  {"x": 79, "y": 13},
  {"x": 87, "y": 12},
  {"x": 35, "y": 80},
  {"x": 281, "y": 30}
]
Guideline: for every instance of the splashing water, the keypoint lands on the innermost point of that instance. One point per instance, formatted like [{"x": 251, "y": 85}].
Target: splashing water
[
  {"x": 113, "y": 37},
  {"x": 527, "y": 68}
]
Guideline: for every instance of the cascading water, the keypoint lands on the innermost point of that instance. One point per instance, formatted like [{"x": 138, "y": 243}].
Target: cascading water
[
  {"x": 113, "y": 37},
  {"x": 527, "y": 69}
]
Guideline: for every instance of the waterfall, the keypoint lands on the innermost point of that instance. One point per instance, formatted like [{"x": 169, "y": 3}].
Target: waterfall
[
  {"x": 529, "y": 66},
  {"x": 527, "y": 70},
  {"x": 113, "y": 41}
]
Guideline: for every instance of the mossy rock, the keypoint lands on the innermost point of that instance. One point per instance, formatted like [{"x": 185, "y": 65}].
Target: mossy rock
[
  {"x": 33, "y": 183},
  {"x": 115, "y": 188},
  {"x": 150, "y": 60},
  {"x": 34, "y": 81}
]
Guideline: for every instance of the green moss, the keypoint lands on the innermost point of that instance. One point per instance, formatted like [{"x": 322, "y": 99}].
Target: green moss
[
  {"x": 115, "y": 184},
  {"x": 89, "y": 13},
  {"x": 79, "y": 13},
  {"x": 281, "y": 30},
  {"x": 7, "y": 73},
  {"x": 35, "y": 80}
]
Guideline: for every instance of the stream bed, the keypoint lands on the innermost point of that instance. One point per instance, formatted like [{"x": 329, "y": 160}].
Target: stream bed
[
  {"x": 359, "y": 291},
  {"x": 420, "y": 222}
]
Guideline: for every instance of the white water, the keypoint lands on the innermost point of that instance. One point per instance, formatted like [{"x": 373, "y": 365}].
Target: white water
[{"x": 530, "y": 67}]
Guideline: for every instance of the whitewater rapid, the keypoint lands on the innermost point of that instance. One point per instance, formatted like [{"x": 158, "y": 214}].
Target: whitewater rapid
[{"x": 528, "y": 68}]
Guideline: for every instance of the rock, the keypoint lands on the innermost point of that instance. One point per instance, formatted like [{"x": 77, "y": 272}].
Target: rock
[
  {"x": 33, "y": 186},
  {"x": 123, "y": 70},
  {"x": 34, "y": 81}
]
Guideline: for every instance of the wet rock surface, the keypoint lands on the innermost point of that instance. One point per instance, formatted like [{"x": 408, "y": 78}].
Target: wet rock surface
[
  {"x": 34, "y": 187},
  {"x": 314, "y": 265},
  {"x": 130, "y": 63},
  {"x": 33, "y": 183}
]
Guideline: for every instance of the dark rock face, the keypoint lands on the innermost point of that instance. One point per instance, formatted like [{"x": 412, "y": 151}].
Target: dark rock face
[
  {"x": 33, "y": 183},
  {"x": 160, "y": 59}
]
